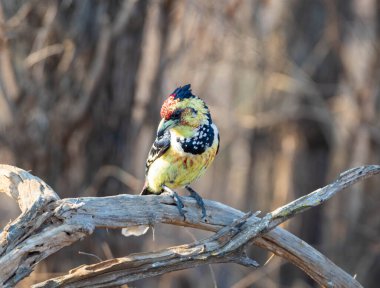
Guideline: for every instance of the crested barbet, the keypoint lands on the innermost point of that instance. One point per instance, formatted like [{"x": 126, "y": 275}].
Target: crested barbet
[{"x": 186, "y": 144}]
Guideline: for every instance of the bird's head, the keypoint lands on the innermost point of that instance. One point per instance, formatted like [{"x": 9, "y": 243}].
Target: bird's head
[{"x": 183, "y": 112}]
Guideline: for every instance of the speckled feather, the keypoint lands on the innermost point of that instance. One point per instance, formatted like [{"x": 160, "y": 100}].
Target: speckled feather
[{"x": 182, "y": 153}]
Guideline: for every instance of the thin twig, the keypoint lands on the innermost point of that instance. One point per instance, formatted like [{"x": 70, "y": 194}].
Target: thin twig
[{"x": 90, "y": 254}]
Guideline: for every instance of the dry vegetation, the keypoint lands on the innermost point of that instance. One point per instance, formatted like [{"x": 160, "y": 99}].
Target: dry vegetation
[{"x": 293, "y": 86}]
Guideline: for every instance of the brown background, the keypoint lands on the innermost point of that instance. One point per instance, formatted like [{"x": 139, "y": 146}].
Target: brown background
[{"x": 292, "y": 85}]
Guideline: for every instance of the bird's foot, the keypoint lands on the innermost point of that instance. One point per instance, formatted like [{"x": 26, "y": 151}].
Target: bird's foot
[
  {"x": 176, "y": 199},
  {"x": 199, "y": 200}
]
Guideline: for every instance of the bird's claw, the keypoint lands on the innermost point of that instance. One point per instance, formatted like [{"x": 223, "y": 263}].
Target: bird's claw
[
  {"x": 177, "y": 201},
  {"x": 199, "y": 200}
]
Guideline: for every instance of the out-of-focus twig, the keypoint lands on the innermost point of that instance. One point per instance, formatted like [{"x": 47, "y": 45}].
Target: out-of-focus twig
[
  {"x": 43, "y": 53},
  {"x": 107, "y": 171}
]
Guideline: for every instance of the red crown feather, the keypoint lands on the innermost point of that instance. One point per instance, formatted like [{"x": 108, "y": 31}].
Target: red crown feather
[
  {"x": 168, "y": 107},
  {"x": 178, "y": 94}
]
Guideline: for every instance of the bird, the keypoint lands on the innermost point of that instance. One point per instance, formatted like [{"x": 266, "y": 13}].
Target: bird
[{"x": 186, "y": 144}]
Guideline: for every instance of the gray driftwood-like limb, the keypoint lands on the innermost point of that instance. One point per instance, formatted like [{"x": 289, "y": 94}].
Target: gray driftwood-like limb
[
  {"x": 226, "y": 245},
  {"x": 23, "y": 187},
  {"x": 138, "y": 266},
  {"x": 32, "y": 195},
  {"x": 28, "y": 239},
  {"x": 77, "y": 217}
]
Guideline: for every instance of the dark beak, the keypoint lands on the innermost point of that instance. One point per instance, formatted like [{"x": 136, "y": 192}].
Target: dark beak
[{"x": 165, "y": 125}]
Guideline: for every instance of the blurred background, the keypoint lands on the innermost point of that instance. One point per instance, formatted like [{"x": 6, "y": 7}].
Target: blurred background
[{"x": 293, "y": 86}]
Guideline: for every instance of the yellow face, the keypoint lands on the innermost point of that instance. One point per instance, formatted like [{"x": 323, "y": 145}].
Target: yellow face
[
  {"x": 184, "y": 116},
  {"x": 193, "y": 112}
]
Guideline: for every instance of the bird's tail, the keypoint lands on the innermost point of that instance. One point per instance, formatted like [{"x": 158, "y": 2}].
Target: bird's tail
[{"x": 145, "y": 190}]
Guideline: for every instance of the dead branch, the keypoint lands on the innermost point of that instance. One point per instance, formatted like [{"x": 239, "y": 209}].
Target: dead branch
[
  {"x": 138, "y": 266},
  {"x": 45, "y": 226}
]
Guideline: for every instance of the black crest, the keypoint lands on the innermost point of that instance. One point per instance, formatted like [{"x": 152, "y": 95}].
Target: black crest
[{"x": 183, "y": 92}]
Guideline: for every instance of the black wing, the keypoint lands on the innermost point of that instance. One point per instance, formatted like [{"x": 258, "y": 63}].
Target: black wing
[{"x": 159, "y": 147}]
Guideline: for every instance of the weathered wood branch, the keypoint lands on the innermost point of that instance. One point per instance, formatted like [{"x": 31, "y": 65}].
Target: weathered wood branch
[
  {"x": 58, "y": 223},
  {"x": 138, "y": 266}
]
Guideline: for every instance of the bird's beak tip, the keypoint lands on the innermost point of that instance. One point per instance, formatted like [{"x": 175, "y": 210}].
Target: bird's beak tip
[{"x": 165, "y": 125}]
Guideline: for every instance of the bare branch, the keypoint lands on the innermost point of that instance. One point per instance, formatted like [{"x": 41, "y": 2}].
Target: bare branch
[
  {"x": 23, "y": 187},
  {"x": 75, "y": 218},
  {"x": 138, "y": 266}
]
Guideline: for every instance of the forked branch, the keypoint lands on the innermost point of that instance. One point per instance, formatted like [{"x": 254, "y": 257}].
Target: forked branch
[{"x": 77, "y": 217}]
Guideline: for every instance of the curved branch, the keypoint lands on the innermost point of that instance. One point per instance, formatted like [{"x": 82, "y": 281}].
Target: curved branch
[
  {"x": 24, "y": 187},
  {"x": 32, "y": 195},
  {"x": 78, "y": 217},
  {"x": 138, "y": 266}
]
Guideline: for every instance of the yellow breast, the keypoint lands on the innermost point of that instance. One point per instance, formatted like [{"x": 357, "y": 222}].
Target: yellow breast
[{"x": 175, "y": 169}]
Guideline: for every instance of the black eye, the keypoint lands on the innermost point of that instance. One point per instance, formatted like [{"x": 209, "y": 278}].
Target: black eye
[{"x": 176, "y": 114}]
